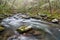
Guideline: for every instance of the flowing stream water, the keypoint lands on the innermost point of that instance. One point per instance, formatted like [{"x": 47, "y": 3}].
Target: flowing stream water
[{"x": 16, "y": 21}]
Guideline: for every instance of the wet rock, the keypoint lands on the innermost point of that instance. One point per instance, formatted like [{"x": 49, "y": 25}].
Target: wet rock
[
  {"x": 43, "y": 15},
  {"x": 20, "y": 15},
  {"x": 55, "y": 21},
  {"x": 21, "y": 37},
  {"x": 37, "y": 33},
  {"x": 35, "y": 17}
]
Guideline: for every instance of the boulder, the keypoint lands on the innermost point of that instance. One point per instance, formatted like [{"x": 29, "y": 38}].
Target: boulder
[{"x": 55, "y": 21}]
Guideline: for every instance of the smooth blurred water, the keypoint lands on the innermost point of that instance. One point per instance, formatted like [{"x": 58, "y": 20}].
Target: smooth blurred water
[{"x": 16, "y": 21}]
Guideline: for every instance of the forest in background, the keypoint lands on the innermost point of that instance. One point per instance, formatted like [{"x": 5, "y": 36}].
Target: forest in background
[{"x": 30, "y": 7}]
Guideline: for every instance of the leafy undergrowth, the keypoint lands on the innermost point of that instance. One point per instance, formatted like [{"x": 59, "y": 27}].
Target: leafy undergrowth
[{"x": 52, "y": 16}]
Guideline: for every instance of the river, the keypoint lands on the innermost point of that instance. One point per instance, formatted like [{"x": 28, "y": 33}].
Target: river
[{"x": 14, "y": 22}]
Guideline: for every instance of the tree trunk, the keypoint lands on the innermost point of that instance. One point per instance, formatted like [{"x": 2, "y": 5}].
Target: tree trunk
[{"x": 50, "y": 7}]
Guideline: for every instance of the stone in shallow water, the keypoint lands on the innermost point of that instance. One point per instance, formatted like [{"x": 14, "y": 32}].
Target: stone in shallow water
[{"x": 21, "y": 37}]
